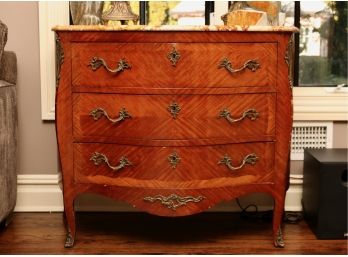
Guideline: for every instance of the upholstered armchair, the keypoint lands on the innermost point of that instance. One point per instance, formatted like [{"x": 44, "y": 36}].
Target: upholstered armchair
[{"x": 8, "y": 129}]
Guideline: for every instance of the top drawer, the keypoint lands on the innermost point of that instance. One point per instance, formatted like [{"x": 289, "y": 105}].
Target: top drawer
[{"x": 174, "y": 65}]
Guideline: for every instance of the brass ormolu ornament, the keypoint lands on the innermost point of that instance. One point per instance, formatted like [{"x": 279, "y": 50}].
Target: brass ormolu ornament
[{"x": 120, "y": 11}]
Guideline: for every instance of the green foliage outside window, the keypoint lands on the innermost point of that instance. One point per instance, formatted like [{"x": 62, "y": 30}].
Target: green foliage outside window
[
  {"x": 328, "y": 66},
  {"x": 158, "y": 12}
]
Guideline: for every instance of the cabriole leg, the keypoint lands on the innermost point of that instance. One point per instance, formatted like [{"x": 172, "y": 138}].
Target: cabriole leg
[
  {"x": 70, "y": 223},
  {"x": 277, "y": 222}
]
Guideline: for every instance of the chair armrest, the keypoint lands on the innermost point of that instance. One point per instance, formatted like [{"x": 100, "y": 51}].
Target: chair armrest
[{"x": 8, "y": 67}]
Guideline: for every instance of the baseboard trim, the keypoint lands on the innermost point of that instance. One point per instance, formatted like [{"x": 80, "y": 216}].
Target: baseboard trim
[{"x": 41, "y": 193}]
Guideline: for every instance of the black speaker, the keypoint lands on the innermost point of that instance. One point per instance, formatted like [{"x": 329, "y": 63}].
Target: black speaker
[{"x": 324, "y": 198}]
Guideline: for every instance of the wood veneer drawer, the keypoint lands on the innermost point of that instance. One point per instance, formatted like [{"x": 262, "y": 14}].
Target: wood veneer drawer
[
  {"x": 103, "y": 117},
  {"x": 174, "y": 167},
  {"x": 198, "y": 65}
]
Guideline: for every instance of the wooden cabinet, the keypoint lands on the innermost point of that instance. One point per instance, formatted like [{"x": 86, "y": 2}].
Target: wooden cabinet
[{"x": 173, "y": 122}]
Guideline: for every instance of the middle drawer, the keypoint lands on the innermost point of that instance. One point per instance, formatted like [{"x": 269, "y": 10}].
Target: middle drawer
[{"x": 110, "y": 117}]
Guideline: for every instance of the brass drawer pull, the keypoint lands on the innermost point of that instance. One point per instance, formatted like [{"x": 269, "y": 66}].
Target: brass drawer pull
[
  {"x": 251, "y": 114},
  {"x": 249, "y": 159},
  {"x": 173, "y": 201},
  {"x": 252, "y": 65},
  {"x": 99, "y": 158},
  {"x": 100, "y": 112},
  {"x": 96, "y": 62}
]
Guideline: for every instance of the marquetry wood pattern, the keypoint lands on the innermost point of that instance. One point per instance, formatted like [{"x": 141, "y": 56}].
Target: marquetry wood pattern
[
  {"x": 198, "y": 65},
  {"x": 197, "y": 135},
  {"x": 198, "y": 117},
  {"x": 150, "y": 65},
  {"x": 151, "y": 163}
]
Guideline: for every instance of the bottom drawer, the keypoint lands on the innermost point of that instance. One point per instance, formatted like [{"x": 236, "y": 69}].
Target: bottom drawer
[
  {"x": 174, "y": 167},
  {"x": 173, "y": 201}
]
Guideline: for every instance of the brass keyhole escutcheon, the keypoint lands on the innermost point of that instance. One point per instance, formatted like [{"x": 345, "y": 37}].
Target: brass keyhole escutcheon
[
  {"x": 174, "y": 109},
  {"x": 174, "y": 56},
  {"x": 174, "y": 159}
]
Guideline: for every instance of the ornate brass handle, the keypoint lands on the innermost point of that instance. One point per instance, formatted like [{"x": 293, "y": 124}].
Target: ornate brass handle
[
  {"x": 251, "y": 114},
  {"x": 252, "y": 65},
  {"x": 96, "y": 62},
  {"x": 99, "y": 158},
  {"x": 249, "y": 159},
  {"x": 100, "y": 112},
  {"x": 173, "y": 201}
]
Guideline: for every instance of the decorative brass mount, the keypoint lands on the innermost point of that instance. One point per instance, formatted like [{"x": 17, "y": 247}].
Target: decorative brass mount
[
  {"x": 69, "y": 241},
  {"x": 252, "y": 65},
  {"x": 97, "y": 62},
  {"x": 173, "y": 201},
  {"x": 99, "y": 158},
  {"x": 174, "y": 109},
  {"x": 279, "y": 242},
  {"x": 174, "y": 56},
  {"x": 174, "y": 159},
  {"x": 100, "y": 112},
  {"x": 251, "y": 114},
  {"x": 59, "y": 58},
  {"x": 289, "y": 59},
  {"x": 249, "y": 159}
]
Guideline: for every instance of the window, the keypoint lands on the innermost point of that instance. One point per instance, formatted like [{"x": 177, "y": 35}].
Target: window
[
  {"x": 156, "y": 12},
  {"x": 175, "y": 13},
  {"x": 323, "y": 43}
]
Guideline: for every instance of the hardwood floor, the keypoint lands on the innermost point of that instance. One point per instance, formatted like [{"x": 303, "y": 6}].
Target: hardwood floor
[{"x": 140, "y": 233}]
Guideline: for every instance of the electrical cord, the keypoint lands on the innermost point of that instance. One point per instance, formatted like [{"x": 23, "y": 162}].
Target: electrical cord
[
  {"x": 265, "y": 215},
  {"x": 289, "y": 217},
  {"x": 244, "y": 209},
  {"x": 293, "y": 217}
]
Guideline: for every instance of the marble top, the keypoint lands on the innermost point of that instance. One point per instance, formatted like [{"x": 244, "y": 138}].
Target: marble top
[{"x": 173, "y": 28}]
